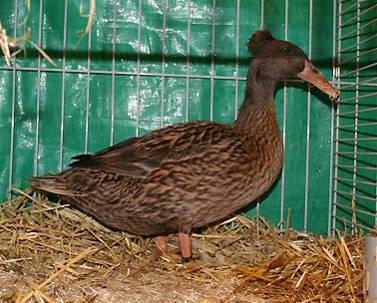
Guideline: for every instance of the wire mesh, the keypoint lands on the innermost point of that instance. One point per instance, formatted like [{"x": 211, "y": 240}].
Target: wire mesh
[
  {"x": 123, "y": 85},
  {"x": 355, "y": 172}
]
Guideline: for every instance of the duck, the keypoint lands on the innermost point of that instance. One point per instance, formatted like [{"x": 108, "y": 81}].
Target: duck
[{"x": 183, "y": 177}]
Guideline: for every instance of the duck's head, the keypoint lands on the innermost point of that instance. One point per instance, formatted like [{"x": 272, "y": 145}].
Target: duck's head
[{"x": 278, "y": 60}]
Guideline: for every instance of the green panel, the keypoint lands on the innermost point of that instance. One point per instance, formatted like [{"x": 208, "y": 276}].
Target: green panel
[
  {"x": 226, "y": 16},
  {"x": 200, "y": 38},
  {"x": 77, "y": 45},
  {"x": 200, "y": 107},
  {"x": 175, "y": 102},
  {"x": 50, "y": 121},
  {"x": 125, "y": 107},
  {"x": 127, "y": 36},
  {"x": 24, "y": 128},
  {"x": 99, "y": 112},
  {"x": 75, "y": 115},
  {"x": 149, "y": 104},
  {"x": 86, "y": 110},
  {"x": 176, "y": 36},
  {"x": 223, "y": 108},
  {"x": 53, "y": 31},
  {"x": 6, "y": 130},
  {"x": 150, "y": 36},
  {"x": 297, "y": 109},
  {"x": 320, "y": 120}
]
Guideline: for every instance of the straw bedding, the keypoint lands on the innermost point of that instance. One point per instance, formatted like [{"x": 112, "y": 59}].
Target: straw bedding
[{"x": 51, "y": 253}]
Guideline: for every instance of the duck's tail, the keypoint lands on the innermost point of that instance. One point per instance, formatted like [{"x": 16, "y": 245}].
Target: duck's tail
[{"x": 52, "y": 184}]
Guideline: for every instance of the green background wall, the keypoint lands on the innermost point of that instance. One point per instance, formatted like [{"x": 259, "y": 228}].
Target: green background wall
[{"x": 47, "y": 115}]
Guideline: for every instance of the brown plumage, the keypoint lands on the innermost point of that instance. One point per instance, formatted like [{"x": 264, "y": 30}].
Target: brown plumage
[{"x": 185, "y": 176}]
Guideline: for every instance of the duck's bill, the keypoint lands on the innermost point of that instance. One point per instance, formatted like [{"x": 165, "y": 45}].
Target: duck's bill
[{"x": 311, "y": 75}]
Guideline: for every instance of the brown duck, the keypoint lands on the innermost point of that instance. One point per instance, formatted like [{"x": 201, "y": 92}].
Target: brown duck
[{"x": 185, "y": 176}]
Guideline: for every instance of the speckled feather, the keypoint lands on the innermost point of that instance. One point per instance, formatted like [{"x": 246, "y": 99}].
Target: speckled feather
[{"x": 187, "y": 176}]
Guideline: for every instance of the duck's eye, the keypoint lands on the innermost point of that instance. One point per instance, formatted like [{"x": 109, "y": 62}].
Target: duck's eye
[{"x": 286, "y": 49}]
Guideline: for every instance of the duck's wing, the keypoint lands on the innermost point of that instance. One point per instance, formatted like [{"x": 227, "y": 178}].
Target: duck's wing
[
  {"x": 136, "y": 157},
  {"x": 123, "y": 158}
]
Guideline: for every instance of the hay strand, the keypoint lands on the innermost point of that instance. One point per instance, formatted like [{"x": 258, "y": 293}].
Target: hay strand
[
  {"x": 57, "y": 273},
  {"x": 4, "y": 44},
  {"x": 90, "y": 16},
  {"x": 20, "y": 43}
]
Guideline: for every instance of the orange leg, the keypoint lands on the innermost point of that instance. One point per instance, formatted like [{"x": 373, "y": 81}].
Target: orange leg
[
  {"x": 185, "y": 246},
  {"x": 162, "y": 245}
]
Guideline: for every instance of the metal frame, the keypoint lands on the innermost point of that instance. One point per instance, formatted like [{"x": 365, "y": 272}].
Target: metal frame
[
  {"x": 307, "y": 161},
  {"x": 284, "y": 133},
  {"x": 63, "y": 70},
  {"x": 344, "y": 9},
  {"x": 11, "y": 152},
  {"x": 341, "y": 9}
]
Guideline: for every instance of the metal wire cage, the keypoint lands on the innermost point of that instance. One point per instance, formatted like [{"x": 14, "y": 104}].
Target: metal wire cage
[
  {"x": 355, "y": 172},
  {"x": 145, "y": 64}
]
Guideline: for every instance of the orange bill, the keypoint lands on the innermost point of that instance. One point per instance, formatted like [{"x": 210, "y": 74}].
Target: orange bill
[{"x": 311, "y": 75}]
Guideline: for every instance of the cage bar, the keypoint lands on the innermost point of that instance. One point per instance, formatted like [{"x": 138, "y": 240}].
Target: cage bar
[
  {"x": 138, "y": 73},
  {"x": 262, "y": 26},
  {"x": 347, "y": 10},
  {"x": 358, "y": 56},
  {"x": 336, "y": 73},
  {"x": 62, "y": 101},
  {"x": 163, "y": 62},
  {"x": 236, "y": 73},
  {"x": 359, "y": 43},
  {"x": 332, "y": 134},
  {"x": 213, "y": 50},
  {"x": 188, "y": 45},
  {"x": 363, "y": 83},
  {"x": 348, "y": 35},
  {"x": 284, "y": 134},
  {"x": 113, "y": 65},
  {"x": 358, "y": 125},
  {"x": 356, "y": 181},
  {"x": 358, "y": 97},
  {"x": 11, "y": 149},
  {"x": 356, "y": 211},
  {"x": 357, "y": 196},
  {"x": 355, "y": 139},
  {"x": 308, "y": 123},
  {"x": 358, "y": 15},
  {"x": 358, "y": 166},
  {"x": 366, "y": 110},
  {"x": 128, "y": 73},
  {"x": 36, "y": 146},
  {"x": 88, "y": 76}
]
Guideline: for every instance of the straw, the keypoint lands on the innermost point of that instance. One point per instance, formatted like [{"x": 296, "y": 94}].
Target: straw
[
  {"x": 19, "y": 43},
  {"x": 52, "y": 253}
]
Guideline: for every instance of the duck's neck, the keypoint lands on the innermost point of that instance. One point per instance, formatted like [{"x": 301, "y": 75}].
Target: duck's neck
[{"x": 258, "y": 109}]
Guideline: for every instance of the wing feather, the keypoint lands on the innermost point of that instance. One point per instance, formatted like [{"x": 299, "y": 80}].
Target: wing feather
[{"x": 137, "y": 156}]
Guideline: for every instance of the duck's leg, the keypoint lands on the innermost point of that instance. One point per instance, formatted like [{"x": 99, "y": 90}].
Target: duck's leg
[
  {"x": 184, "y": 241},
  {"x": 162, "y": 245},
  {"x": 185, "y": 246}
]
